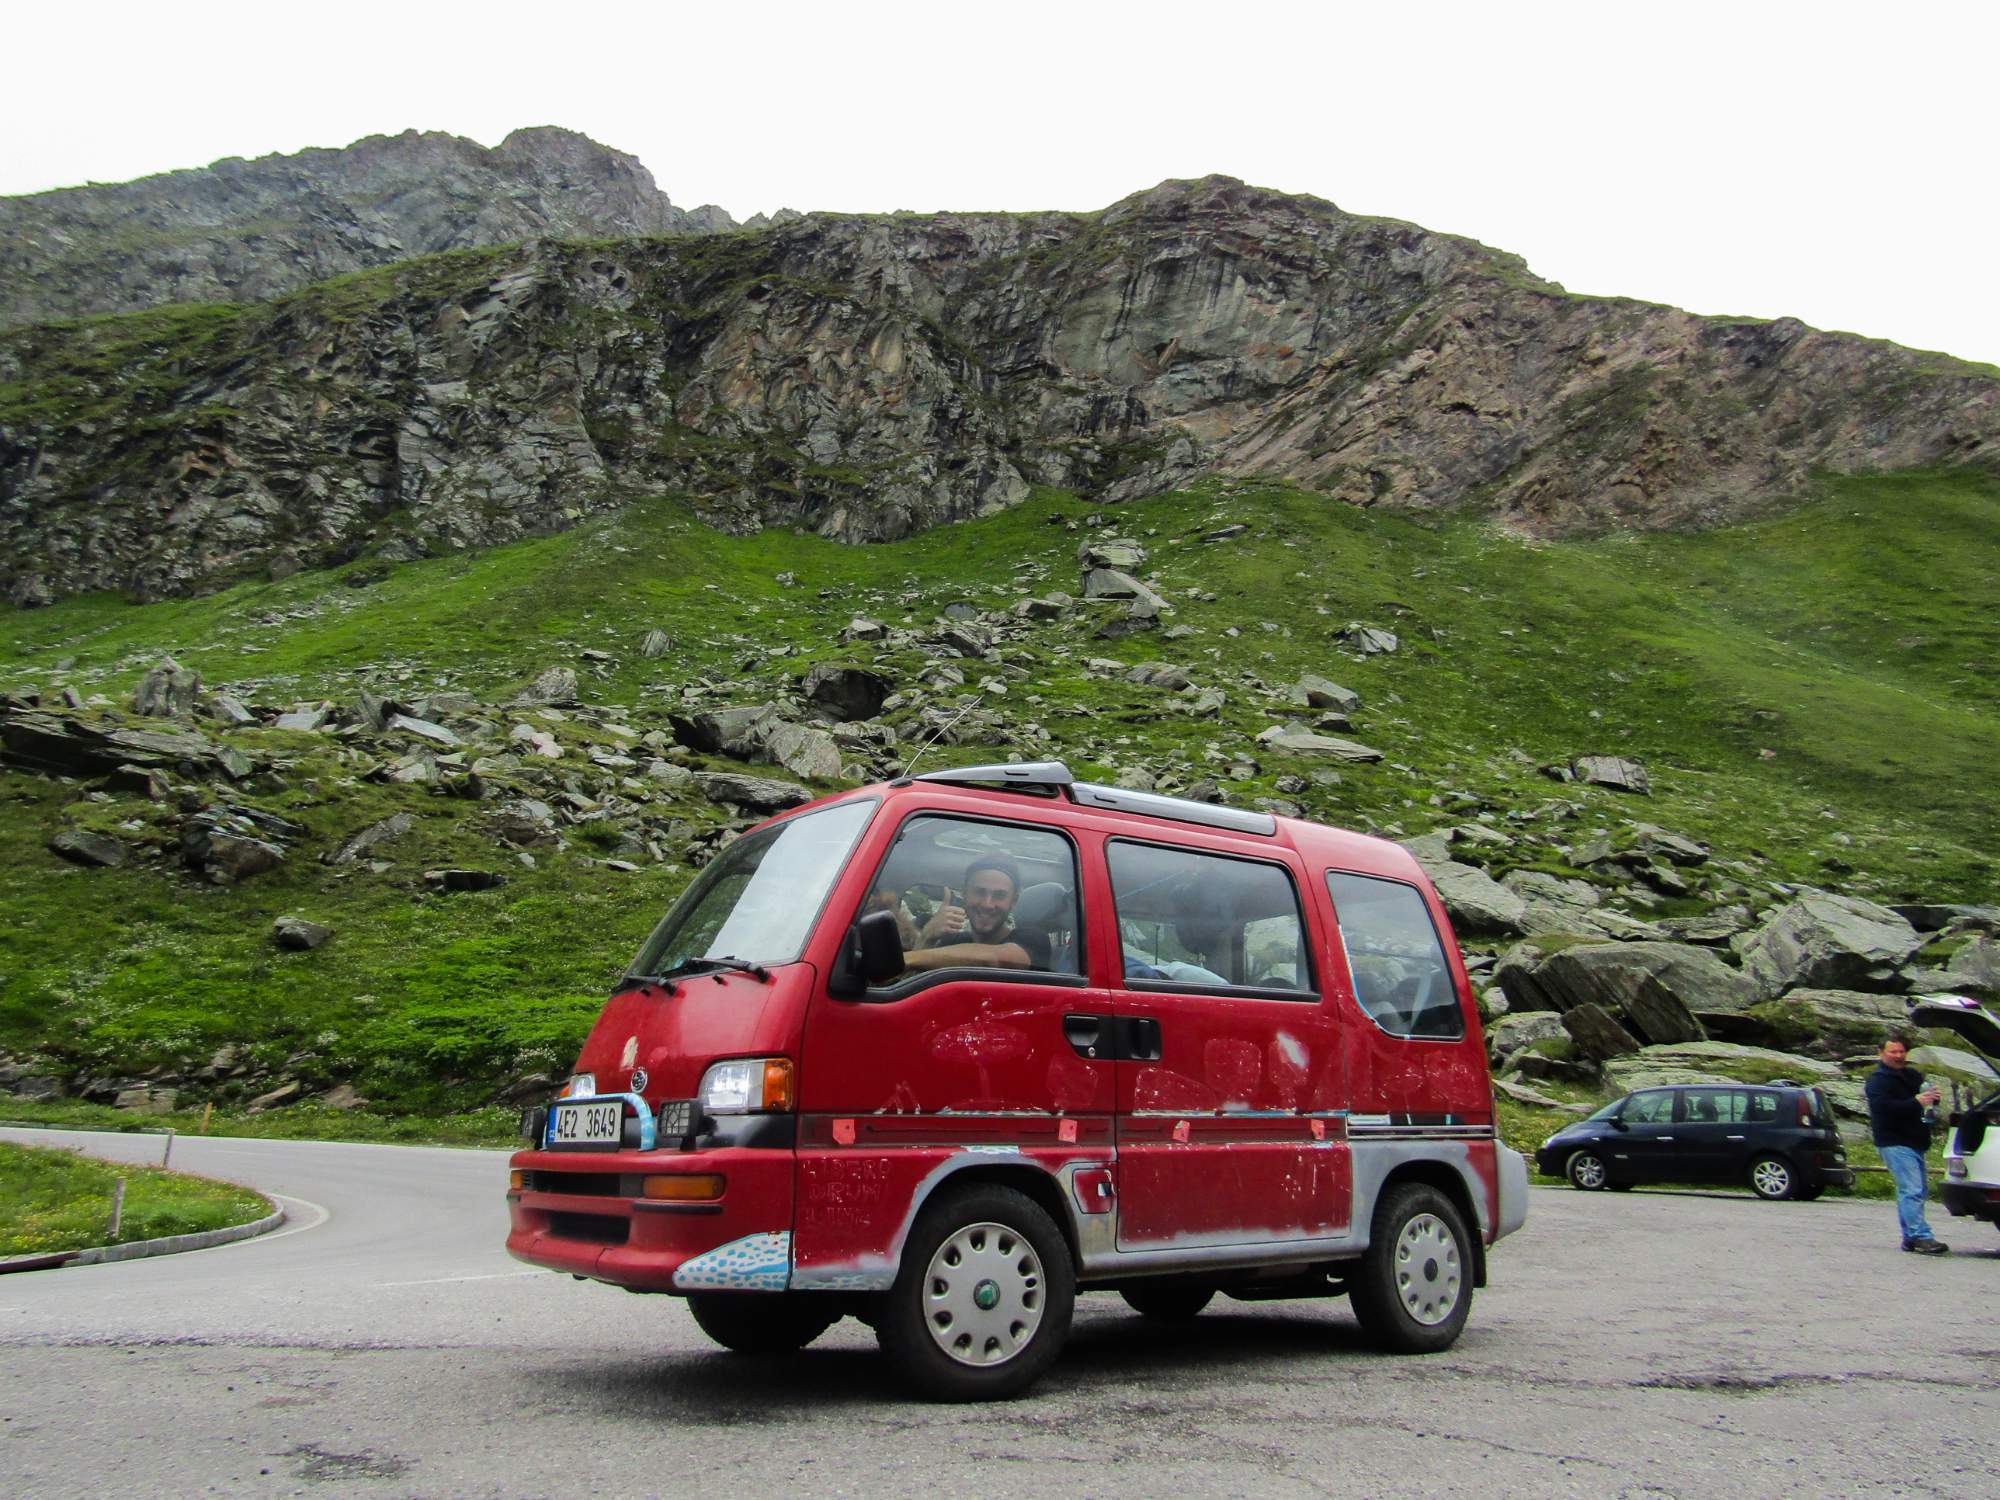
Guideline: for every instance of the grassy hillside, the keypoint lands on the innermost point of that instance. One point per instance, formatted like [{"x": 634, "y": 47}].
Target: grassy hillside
[{"x": 1814, "y": 695}]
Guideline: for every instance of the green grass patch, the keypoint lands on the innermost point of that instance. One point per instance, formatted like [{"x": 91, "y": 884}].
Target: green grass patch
[{"x": 53, "y": 1200}]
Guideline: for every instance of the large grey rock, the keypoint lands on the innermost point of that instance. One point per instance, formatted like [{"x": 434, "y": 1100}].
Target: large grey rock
[
  {"x": 423, "y": 728},
  {"x": 1713, "y": 1062},
  {"x": 1941, "y": 918},
  {"x": 1304, "y": 742},
  {"x": 1369, "y": 640},
  {"x": 1827, "y": 1023},
  {"x": 1657, "y": 1014},
  {"x": 299, "y": 935},
  {"x": 358, "y": 844},
  {"x": 804, "y": 751},
  {"x": 1159, "y": 674},
  {"x": 1475, "y": 901},
  {"x": 1614, "y": 771},
  {"x": 845, "y": 692},
  {"x": 760, "y": 794},
  {"x": 1317, "y": 692},
  {"x": 167, "y": 691},
  {"x": 1975, "y": 967},
  {"x": 84, "y": 847},
  {"x": 1614, "y": 975},
  {"x": 1824, "y": 941},
  {"x": 1957, "y": 1059},
  {"x": 555, "y": 688},
  {"x": 1514, "y": 1031},
  {"x": 1595, "y": 1032},
  {"x": 225, "y": 854},
  {"x": 1110, "y": 552},
  {"x": 739, "y": 733}
]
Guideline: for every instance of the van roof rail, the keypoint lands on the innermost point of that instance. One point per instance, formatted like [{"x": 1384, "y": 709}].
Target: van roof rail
[{"x": 1047, "y": 776}]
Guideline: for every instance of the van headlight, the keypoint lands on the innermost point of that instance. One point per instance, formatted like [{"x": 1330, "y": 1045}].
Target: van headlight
[{"x": 747, "y": 1085}]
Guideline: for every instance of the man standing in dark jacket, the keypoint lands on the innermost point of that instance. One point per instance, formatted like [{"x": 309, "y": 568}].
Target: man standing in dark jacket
[{"x": 1897, "y": 1099}]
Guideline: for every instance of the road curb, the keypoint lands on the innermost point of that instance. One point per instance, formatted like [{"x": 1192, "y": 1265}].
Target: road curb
[{"x": 171, "y": 1244}]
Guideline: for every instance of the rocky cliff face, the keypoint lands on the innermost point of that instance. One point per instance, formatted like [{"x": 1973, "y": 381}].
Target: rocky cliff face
[
  {"x": 245, "y": 230},
  {"x": 869, "y": 377}
]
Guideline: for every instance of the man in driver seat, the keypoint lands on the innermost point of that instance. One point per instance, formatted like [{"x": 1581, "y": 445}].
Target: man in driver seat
[{"x": 981, "y": 931}]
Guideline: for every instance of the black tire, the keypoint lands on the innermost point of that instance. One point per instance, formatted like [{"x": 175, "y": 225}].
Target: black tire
[
  {"x": 1167, "y": 1302},
  {"x": 1808, "y": 1194},
  {"x": 1619, "y": 1187},
  {"x": 1586, "y": 1170},
  {"x": 762, "y": 1322},
  {"x": 1773, "y": 1178},
  {"x": 947, "y": 1343},
  {"x": 1413, "y": 1290}
]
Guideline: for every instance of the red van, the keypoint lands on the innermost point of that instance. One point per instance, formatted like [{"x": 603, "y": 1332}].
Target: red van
[{"x": 944, "y": 1052}]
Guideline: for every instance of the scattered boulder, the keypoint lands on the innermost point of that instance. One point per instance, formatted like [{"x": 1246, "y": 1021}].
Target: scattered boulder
[
  {"x": 360, "y": 843},
  {"x": 1976, "y": 968},
  {"x": 227, "y": 710},
  {"x": 463, "y": 880},
  {"x": 223, "y": 847},
  {"x": 306, "y": 719},
  {"x": 1514, "y": 1031},
  {"x": 1824, "y": 941},
  {"x": 1613, "y": 975},
  {"x": 804, "y": 751},
  {"x": 1368, "y": 640},
  {"x": 299, "y": 935},
  {"x": 288, "y": 1092},
  {"x": 1304, "y": 742},
  {"x": 1936, "y": 918},
  {"x": 861, "y": 628},
  {"x": 82, "y": 846},
  {"x": 1047, "y": 607},
  {"x": 656, "y": 644},
  {"x": 1316, "y": 692},
  {"x": 423, "y": 728},
  {"x": 1595, "y": 1033},
  {"x": 1956, "y": 1059},
  {"x": 1475, "y": 901},
  {"x": 1110, "y": 552},
  {"x": 1614, "y": 771},
  {"x": 167, "y": 691},
  {"x": 1713, "y": 1062},
  {"x": 1159, "y": 674},
  {"x": 845, "y": 692},
  {"x": 1826, "y": 1023},
  {"x": 555, "y": 688},
  {"x": 758, "y": 794}
]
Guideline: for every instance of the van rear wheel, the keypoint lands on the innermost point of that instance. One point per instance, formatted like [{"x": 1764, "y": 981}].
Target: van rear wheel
[
  {"x": 1170, "y": 1304},
  {"x": 1413, "y": 1292},
  {"x": 983, "y": 1302},
  {"x": 1772, "y": 1177},
  {"x": 762, "y": 1322}
]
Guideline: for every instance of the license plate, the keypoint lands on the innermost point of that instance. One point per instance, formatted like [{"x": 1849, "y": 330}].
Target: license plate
[
  {"x": 595, "y": 1125},
  {"x": 676, "y": 1119}
]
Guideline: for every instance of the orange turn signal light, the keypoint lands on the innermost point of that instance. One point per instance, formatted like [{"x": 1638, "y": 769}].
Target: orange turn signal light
[
  {"x": 777, "y": 1083},
  {"x": 684, "y": 1187},
  {"x": 516, "y": 1180}
]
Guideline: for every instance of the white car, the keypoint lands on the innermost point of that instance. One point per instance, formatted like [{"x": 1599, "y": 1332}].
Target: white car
[{"x": 1972, "y": 1152}]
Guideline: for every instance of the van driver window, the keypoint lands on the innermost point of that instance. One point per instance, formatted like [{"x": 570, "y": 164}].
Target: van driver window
[
  {"x": 1401, "y": 978},
  {"x": 1206, "y": 920},
  {"x": 973, "y": 894}
]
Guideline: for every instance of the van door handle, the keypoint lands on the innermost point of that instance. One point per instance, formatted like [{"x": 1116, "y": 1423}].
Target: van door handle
[
  {"x": 1086, "y": 1033},
  {"x": 1138, "y": 1039},
  {"x": 1738, "y": 1138}
]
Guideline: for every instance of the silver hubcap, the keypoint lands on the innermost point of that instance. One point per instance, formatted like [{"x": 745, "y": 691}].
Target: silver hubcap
[
  {"x": 1588, "y": 1172},
  {"x": 1427, "y": 1270},
  {"x": 1771, "y": 1179},
  {"x": 983, "y": 1294}
]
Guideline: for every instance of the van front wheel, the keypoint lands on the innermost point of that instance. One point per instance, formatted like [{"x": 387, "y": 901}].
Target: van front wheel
[
  {"x": 1414, "y": 1290},
  {"x": 762, "y": 1322},
  {"x": 983, "y": 1301}
]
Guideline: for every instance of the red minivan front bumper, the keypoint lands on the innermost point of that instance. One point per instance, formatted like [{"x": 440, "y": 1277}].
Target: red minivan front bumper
[{"x": 587, "y": 1213}]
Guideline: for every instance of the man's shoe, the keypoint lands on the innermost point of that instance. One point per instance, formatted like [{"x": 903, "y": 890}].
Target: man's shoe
[{"x": 1926, "y": 1247}]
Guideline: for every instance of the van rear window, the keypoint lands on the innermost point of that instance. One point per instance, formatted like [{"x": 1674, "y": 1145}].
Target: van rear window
[
  {"x": 1207, "y": 920},
  {"x": 1401, "y": 978}
]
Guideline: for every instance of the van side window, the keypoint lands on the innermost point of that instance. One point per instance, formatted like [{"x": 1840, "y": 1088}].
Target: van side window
[
  {"x": 968, "y": 893},
  {"x": 1655, "y": 1107},
  {"x": 1400, "y": 974},
  {"x": 1712, "y": 1106},
  {"x": 1762, "y": 1108},
  {"x": 1206, "y": 921}
]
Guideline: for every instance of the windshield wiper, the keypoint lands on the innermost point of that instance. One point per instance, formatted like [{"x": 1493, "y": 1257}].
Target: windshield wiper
[{"x": 694, "y": 968}]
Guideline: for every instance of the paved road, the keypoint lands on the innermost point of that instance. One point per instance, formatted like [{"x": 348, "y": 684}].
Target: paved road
[{"x": 1638, "y": 1344}]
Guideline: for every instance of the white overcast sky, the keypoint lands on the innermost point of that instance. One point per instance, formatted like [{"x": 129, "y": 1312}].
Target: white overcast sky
[{"x": 1834, "y": 162}]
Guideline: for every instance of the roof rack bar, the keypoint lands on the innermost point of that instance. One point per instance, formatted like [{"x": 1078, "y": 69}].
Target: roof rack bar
[
  {"x": 1180, "y": 809},
  {"x": 1023, "y": 773}
]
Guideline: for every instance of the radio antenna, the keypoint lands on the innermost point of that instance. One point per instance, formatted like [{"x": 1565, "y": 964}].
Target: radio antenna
[{"x": 977, "y": 699}]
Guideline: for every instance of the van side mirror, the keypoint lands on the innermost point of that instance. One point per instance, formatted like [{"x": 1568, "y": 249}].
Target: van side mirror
[
  {"x": 872, "y": 954},
  {"x": 1619, "y": 1124}
]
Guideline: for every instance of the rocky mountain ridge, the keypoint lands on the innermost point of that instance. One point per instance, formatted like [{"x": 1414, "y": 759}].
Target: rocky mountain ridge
[
  {"x": 871, "y": 377},
  {"x": 244, "y": 231}
]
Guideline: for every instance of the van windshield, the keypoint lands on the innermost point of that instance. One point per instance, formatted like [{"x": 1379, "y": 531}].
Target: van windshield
[{"x": 758, "y": 899}]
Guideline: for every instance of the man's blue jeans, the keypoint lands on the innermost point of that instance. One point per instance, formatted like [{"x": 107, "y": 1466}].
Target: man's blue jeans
[{"x": 1907, "y": 1167}]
